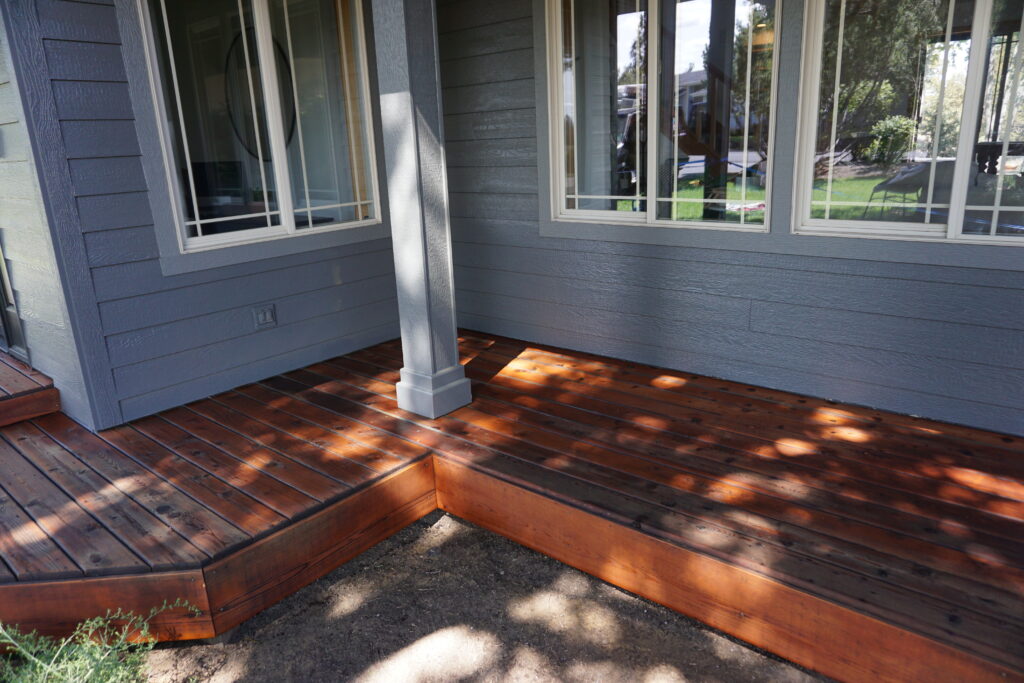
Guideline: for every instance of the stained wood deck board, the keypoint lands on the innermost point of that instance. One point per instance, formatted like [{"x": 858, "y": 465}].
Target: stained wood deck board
[
  {"x": 24, "y": 392},
  {"x": 171, "y": 492},
  {"x": 890, "y": 531},
  {"x": 810, "y": 560}
]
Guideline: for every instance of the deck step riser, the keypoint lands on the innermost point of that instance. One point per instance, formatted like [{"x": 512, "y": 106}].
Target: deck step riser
[{"x": 14, "y": 409}]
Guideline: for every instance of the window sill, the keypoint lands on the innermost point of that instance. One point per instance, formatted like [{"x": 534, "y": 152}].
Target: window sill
[
  {"x": 667, "y": 233},
  {"x": 174, "y": 262},
  {"x": 939, "y": 236}
]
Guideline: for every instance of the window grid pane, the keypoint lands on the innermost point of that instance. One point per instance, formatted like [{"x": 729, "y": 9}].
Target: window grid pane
[
  {"x": 221, "y": 124},
  {"x": 602, "y": 100},
  {"x": 717, "y": 65},
  {"x": 327, "y": 151},
  {"x": 996, "y": 194},
  {"x": 604, "y": 105},
  {"x": 229, "y": 111},
  {"x": 889, "y": 108}
]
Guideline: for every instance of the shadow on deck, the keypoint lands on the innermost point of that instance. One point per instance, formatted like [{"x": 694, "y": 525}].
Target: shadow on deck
[{"x": 858, "y": 543}]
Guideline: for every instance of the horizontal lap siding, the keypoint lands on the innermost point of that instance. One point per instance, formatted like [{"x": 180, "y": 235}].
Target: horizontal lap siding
[
  {"x": 173, "y": 339},
  {"x": 28, "y": 249},
  {"x": 937, "y": 341}
]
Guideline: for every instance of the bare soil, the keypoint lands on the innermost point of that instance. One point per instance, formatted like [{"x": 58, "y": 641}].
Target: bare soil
[{"x": 444, "y": 600}]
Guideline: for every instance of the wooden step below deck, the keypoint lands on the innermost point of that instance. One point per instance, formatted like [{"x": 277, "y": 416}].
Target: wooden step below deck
[{"x": 24, "y": 392}]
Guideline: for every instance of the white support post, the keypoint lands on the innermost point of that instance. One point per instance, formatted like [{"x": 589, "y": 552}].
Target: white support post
[{"x": 433, "y": 382}]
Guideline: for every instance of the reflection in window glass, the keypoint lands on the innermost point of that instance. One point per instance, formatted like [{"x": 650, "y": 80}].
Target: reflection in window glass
[
  {"x": 221, "y": 145},
  {"x": 327, "y": 154},
  {"x": 604, "y": 78},
  {"x": 268, "y": 114},
  {"x": 714, "y": 109},
  {"x": 889, "y": 109},
  {"x": 995, "y": 192}
]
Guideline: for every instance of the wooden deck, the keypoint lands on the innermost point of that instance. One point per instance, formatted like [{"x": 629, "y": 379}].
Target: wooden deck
[
  {"x": 862, "y": 544},
  {"x": 24, "y": 392}
]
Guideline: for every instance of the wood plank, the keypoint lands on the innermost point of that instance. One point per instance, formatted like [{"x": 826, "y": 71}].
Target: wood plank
[
  {"x": 707, "y": 458},
  {"x": 263, "y": 573},
  {"x": 14, "y": 383},
  {"x": 244, "y": 511},
  {"x": 964, "y": 445},
  {"x": 29, "y": 405},
  {"x": 25, "y": 547},
  {"x": 812, "y": 561},
  {"x": 297, "y": 475},
  {"x": 6, "y": 575},
  {"x": 348, "y": 472},
  {"x": 776, "y": 476},
  {"x": 708, "y": 360},
  {"x": 94, "y": 549},
  {"x": 155, "y": 542},
  {"x": 904, "y": 424},
  {"x": 246, "y": 477},
  {"x": 849, "y": 521},
  {"x": 53, "y": 608},
  {"x": 863, "y": 464},
  {"x": 333, "y": 442},
  {"x": 810, "y": 631},
  {"x": 27, "y": 370},
  {"x": 854, "y": 443},
  {"x": 358, "y": 373},
  {"x": 357, "y": 431},
  {"x": 204, "y": 529}
]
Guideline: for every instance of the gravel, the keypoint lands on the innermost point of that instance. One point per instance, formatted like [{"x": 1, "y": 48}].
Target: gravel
[{"x": 444, "y": 600}]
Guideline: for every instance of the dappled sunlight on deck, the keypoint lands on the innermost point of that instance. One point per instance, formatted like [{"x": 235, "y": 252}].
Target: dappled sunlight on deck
[{"x": 762, "y": 513}]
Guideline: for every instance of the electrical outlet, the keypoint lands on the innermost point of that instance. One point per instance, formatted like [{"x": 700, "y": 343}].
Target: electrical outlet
[{"x": 264, "y": 316}]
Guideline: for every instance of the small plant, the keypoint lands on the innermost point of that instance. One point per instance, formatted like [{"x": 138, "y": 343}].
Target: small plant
[
  {"x": 107, "y": 649},
  {"x": 891, "y": 139}
]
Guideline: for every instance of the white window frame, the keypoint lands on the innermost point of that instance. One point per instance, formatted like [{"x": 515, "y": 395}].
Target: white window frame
[
  {"x": 810, "y": 89},
  {"x": 168, "y": 116},
  {"x": 556, "y": 131}
]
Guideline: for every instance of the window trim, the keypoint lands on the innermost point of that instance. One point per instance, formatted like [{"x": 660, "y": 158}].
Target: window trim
[
  {"x": 810, "y": 89},
  {"x": 166, "y": 116},
  {"x": 556, "y": 135}
]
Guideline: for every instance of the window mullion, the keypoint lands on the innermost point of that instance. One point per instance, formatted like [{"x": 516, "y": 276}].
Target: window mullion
[
  {"x": 294, "y": 95},
  {"x": 181, "y": 228},
  {"x": 653, "y": 117},
  {"x": 968, "y": 126},
  {"x": 1004, "y": 134},
  {"x": 275, "y": 117},
  {"x": 939, "y": 106}
]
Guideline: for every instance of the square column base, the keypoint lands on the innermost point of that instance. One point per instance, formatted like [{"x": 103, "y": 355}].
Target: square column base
[{"x": 433, "y": 395}]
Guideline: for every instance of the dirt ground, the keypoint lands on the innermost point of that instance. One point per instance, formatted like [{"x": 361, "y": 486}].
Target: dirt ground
[{"x": 447, "y": 601}]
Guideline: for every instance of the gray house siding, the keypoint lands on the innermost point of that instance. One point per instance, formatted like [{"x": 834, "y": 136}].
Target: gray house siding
[
  {"x": 933, "y": 340},
  {"x": 28, "y": 249},
  {"x": 164, "y": 340}
]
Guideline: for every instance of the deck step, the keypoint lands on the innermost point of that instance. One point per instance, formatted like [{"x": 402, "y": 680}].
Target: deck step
[{"x": 25, "y": 393}]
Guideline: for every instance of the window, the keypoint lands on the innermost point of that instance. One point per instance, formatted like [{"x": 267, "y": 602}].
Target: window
[
  {"x": 914, "y": 131},
  {"x": 266, "y": 124},
  {"x": 662, "y": 111}
]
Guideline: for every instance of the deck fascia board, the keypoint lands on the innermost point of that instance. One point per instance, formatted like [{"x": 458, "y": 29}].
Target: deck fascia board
[{"x": 821, "y": 635}]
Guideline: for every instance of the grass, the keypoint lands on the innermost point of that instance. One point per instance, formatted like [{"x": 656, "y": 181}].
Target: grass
[
  {"x": 694, "y": 211},
  {"x": 857, "y": 189}
]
